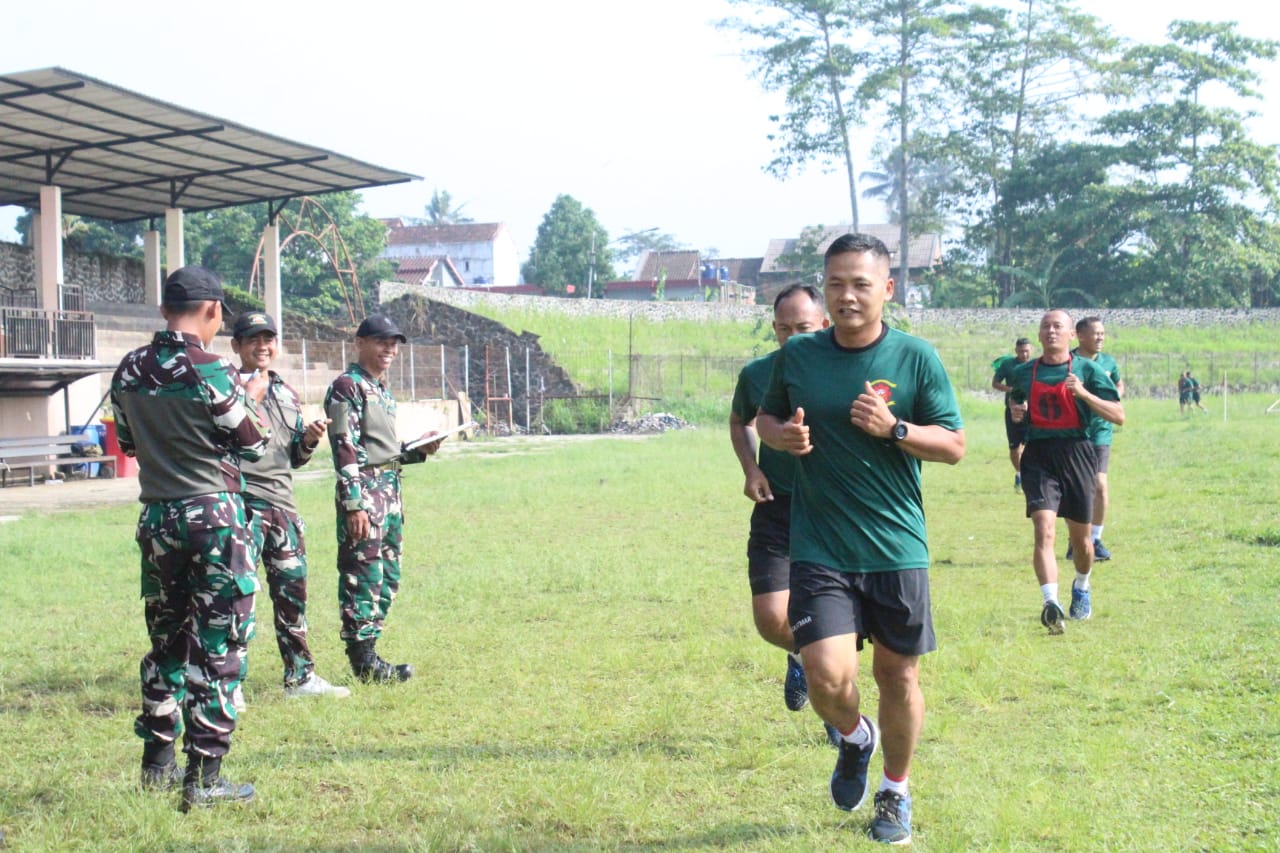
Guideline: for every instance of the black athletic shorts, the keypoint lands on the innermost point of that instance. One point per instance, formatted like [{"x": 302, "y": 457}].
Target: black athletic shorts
[
  {"x": 1016, "y": 432},
  {"x": 891, "y": 608},
  {"x": 1101, "y": 457},
  {"x": 768, "y": 563},
  {"x": 1058, "y": 474}
]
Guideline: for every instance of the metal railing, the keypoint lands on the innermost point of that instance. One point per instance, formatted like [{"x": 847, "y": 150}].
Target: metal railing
[{"x": 37, "y": 333}]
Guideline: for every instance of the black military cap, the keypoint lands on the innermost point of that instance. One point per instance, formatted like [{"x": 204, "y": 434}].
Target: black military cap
[
  {"x": 251, "y": 323},
  {"x": 380, "y": 326},
  {"x": 192, "y": 284}
]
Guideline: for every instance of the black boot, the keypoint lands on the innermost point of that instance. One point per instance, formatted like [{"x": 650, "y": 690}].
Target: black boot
[
  {"x": 368, "y": 667},
  {"x": 159, "y": 768},
  {"x": 204, "y": 786}
]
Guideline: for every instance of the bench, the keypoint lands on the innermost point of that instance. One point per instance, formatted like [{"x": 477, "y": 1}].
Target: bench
[{"x": 54, "y": 451}]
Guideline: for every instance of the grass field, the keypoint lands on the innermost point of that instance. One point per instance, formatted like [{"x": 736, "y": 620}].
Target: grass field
[{"x": 589, "y": 678}]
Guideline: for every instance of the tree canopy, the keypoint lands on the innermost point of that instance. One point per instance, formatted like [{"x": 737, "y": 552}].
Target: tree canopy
[{"x": 571, "y": 250}]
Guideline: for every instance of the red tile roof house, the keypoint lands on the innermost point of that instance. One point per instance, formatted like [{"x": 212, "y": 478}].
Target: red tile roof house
[
  {"x": 684, "y": 277},
  {"x": 482, "y": 253}
]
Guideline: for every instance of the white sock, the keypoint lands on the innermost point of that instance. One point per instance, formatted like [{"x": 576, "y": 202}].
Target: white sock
[
  {"x": 1081, "y": 582},
  {"x": 899, "y": 788},
  {"x": 795, "y": 658},
  {"x": 1097, "y": 532},
  {"x": 1049, "y": 591},
  {"x": 860, "y": 736}
]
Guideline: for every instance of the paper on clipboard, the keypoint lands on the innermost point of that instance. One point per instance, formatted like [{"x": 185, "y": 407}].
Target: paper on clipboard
[{"x": 434, "y": 437}]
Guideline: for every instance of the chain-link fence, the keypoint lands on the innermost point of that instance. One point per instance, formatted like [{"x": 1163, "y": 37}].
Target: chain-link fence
[{"x": 609, "y": 385}]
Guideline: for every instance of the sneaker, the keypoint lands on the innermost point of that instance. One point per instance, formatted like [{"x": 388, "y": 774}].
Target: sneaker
[
  {"x": 795, "y": 689},
  {"x": 1100, "y": 551},
  {"x": 1080, "y": 608},
  {"x": 892, "y": 823},
  {"x": 1017, "y": 482},
  {"x": 849, "y": 779},
  {"x": 216, "y": 792},
  {"x": 314, "y": 685},
  {"x": 1053, "y": 618},
  {"x": 833, "y": 734},
  {"x": 237, "y": 699}
]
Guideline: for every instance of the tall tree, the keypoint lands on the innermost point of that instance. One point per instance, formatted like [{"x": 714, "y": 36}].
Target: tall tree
[
  {"x": 1017, "y": 87},
  {"x": 1205, "y": 196},
  {"x": 917, "y": 40},
  {"x": 803, "y": 52},
  {"x": 441, "y": 211},
  {"x": 571, "y": 247}
]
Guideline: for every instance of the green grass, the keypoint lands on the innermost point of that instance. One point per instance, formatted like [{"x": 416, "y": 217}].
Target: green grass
[{"x": 589, "y": 677}]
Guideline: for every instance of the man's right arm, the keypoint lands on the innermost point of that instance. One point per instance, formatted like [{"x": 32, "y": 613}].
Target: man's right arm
[
  {"x": 743, "y": 438},
  {"x": 344, "y": 408}
]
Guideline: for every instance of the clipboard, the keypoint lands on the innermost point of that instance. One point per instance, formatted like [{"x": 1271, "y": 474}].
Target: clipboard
[{"x": 433, "y": 438}]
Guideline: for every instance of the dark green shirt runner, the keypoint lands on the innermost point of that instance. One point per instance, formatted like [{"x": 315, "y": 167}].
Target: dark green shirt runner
[
  {"x": 1050, "y": 424},
  {"x": 857, "y": 504},
  {"x": 1101, "y": 430},
  {"x": 753, "y": 381}
]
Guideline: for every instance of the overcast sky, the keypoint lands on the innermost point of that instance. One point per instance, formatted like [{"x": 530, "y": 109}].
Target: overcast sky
[{"x": 642, "y": 111}]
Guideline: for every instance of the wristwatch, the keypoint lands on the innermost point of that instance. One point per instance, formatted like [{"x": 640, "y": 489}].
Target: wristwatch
[{"x": 899, "y": 430}]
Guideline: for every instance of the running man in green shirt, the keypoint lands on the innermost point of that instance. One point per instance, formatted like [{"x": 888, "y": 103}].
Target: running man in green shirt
[
  {"x": 1091, "y": 333},
  {"x": 861, "y": 406},
  {"x": 797, "y": 309},
  {"x": 1061, "y": 395}
]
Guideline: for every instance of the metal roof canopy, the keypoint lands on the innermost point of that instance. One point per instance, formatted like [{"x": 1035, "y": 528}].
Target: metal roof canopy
[{"x": 122, "y": 156}]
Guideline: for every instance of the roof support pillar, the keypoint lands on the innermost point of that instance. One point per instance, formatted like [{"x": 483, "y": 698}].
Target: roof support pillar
[
  {"x": 151, "y": 267},
  {"x": 174, "y": 250},
  {"x": 48, "y": 246},
  {"x": 271, "y": 296}
]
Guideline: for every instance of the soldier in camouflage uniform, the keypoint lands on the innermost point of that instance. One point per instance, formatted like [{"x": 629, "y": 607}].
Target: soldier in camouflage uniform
[
  {"x": 276, "y": 529},
  {"x": 183, "y": 412},
  {"x": 368, "y": 455}
]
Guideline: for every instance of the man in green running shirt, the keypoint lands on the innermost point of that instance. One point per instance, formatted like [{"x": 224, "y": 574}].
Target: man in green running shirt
[
  {"x": 860, "y": 406},
  {"x": 1061, "y": 395}
]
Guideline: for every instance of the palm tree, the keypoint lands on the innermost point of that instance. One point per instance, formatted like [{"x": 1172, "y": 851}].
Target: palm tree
[{"x": 442, "y": 212}]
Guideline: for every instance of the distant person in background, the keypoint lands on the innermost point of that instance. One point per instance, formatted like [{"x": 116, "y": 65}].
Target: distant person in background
[
  {"x": 186, "y": 416},
  {"x": 1062, "y": 394},
  {"x": 276, "y": 530},
  {"x": 796, "y": 310},
  {"x": 862, "y": 406},
  {"x": 368, "y": 455},
  {"x": 1091, "y": 334},
  {"x": 1016, "y": 433},
  {"x": 1193, "y": 385},
  {"x": 1184, "y": 392}
]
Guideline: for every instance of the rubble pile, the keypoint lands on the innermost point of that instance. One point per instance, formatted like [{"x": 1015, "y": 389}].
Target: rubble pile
[{"x": 656, "y": 422}]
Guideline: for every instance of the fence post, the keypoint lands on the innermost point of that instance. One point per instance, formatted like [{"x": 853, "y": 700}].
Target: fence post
[
  {"x": 466, "y": 372},
  {"x": 305, "y": 394},
  {"x": 609, "y": 362},
  {"x": 528, "y": 388},
  {"x": 444, "y": 394}
]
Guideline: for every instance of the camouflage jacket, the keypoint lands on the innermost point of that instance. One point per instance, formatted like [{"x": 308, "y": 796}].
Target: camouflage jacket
[
  {"x": 362, "y": 432},
  {"x": 182, "y": 411},
  {"x": 270, "y": 478}
]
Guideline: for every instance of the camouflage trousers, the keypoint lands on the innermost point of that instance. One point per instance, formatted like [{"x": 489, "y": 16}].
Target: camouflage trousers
[
  {"x": 277, "y": 538},
  {"x": 198, "y": 586},
  {"x": 369, "y": 569}
]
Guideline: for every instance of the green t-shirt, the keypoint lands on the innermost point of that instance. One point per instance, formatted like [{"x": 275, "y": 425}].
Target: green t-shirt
[
  {"x": 1003, "y": 367},
  {"x": 1101, "y": 430},
  {"x": 857, "y": 505},
  {"x": 778, "y": 467},
  {"x": 1095, "y": 380}
]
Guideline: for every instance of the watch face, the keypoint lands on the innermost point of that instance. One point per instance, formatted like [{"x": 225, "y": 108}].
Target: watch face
[{"x": 899, "y": 431}]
